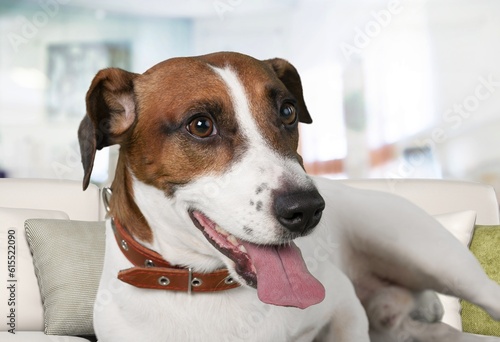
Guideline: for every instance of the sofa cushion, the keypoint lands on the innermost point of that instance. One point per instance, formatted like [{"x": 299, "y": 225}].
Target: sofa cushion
[
  {"x": 461, "y": 225},
  {"x": 39, "y": 336},
  {"x": 485, "y": 246},
  {"x": 28, "y": 303},
  {"x": 68, "y": 258}
]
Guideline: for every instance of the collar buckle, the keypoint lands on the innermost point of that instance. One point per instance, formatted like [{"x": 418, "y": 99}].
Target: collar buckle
[{"x": 193, "y": 281}]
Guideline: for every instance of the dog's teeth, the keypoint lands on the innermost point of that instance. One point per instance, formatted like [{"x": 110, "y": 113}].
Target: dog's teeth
[
  {"x": 232, "y": 240},
  {"x": 242, "y": 249},
  {"x": 218, "y": 229}
]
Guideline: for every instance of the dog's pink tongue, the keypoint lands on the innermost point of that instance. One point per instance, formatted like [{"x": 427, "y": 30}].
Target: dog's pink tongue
[{"x": 282, "y": 276}]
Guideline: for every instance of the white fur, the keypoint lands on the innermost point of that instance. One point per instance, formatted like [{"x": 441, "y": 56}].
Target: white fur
[
  {"x": 241, "y": 105},
  {"x": 357, "y": 228}
]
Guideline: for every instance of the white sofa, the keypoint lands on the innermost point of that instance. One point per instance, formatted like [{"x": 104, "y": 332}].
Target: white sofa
[{"x": 37, "y": 197}]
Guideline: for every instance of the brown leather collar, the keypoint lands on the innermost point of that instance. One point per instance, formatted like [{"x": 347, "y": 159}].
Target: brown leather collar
[{"x": 151, "y": 271}]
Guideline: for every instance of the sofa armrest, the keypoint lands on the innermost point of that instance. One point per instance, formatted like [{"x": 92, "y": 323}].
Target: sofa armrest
[
  {"x": 438, "y": 196},
  {"x": 52, "y": 194}
]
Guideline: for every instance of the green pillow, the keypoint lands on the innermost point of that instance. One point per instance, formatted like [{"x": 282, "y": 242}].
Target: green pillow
[{"x": 485, "y": 246}]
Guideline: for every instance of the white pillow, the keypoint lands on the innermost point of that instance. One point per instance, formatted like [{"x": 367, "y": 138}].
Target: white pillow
[
  {"x": 28, "y": 303},
  {"x": 461, "y": 225}
]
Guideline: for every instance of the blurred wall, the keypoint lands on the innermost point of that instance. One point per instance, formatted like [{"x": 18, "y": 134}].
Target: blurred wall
[{"x": 429, "y": 76}]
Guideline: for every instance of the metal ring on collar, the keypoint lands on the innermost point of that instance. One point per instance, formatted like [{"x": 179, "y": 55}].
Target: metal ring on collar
[{"x": 106, "y": 196}]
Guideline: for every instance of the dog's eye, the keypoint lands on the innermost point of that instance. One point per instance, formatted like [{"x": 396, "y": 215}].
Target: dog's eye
[
  {"x": 201, "y": 127},
  {"x": 288, "y": 114}
]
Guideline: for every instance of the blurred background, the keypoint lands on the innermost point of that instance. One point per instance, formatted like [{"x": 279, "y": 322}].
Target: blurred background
[{"x": 396, "y": 88}]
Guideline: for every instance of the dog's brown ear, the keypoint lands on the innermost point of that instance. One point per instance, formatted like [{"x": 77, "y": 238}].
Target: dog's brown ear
[
  {"x": 111, "y": 112},
  {"x": 287, "y": 74}
]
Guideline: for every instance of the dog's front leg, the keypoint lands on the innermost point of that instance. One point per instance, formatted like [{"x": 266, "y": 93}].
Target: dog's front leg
[
  {"x": 398, "y": 315},
  {"x": 397, "y": 243},
  {"x": 411, "y": 330}
]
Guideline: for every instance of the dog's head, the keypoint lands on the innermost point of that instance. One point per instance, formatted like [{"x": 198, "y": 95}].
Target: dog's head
[{"x": 211, "y": 143}]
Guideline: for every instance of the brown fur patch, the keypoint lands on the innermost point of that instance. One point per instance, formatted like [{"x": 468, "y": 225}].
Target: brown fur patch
[
  {"x": 265, "y": 92},
  {"x": 161, "y": 152},
  {"x": 123, "y": 206}
]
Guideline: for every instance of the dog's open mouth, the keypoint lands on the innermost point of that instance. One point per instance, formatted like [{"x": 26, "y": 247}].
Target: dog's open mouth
[{"x": 277, "y": 271}]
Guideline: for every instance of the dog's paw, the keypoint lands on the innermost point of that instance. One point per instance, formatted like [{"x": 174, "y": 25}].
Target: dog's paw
[
  {"x": 428, "y": 307},
  {"x": 388, "y": 307}
]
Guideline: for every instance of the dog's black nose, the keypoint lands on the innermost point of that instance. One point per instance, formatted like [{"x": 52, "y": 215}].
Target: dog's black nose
[{"x": 299, "y": 212}]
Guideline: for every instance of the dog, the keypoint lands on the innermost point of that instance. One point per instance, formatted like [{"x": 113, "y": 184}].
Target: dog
[{"x": 212, "y": 216}]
